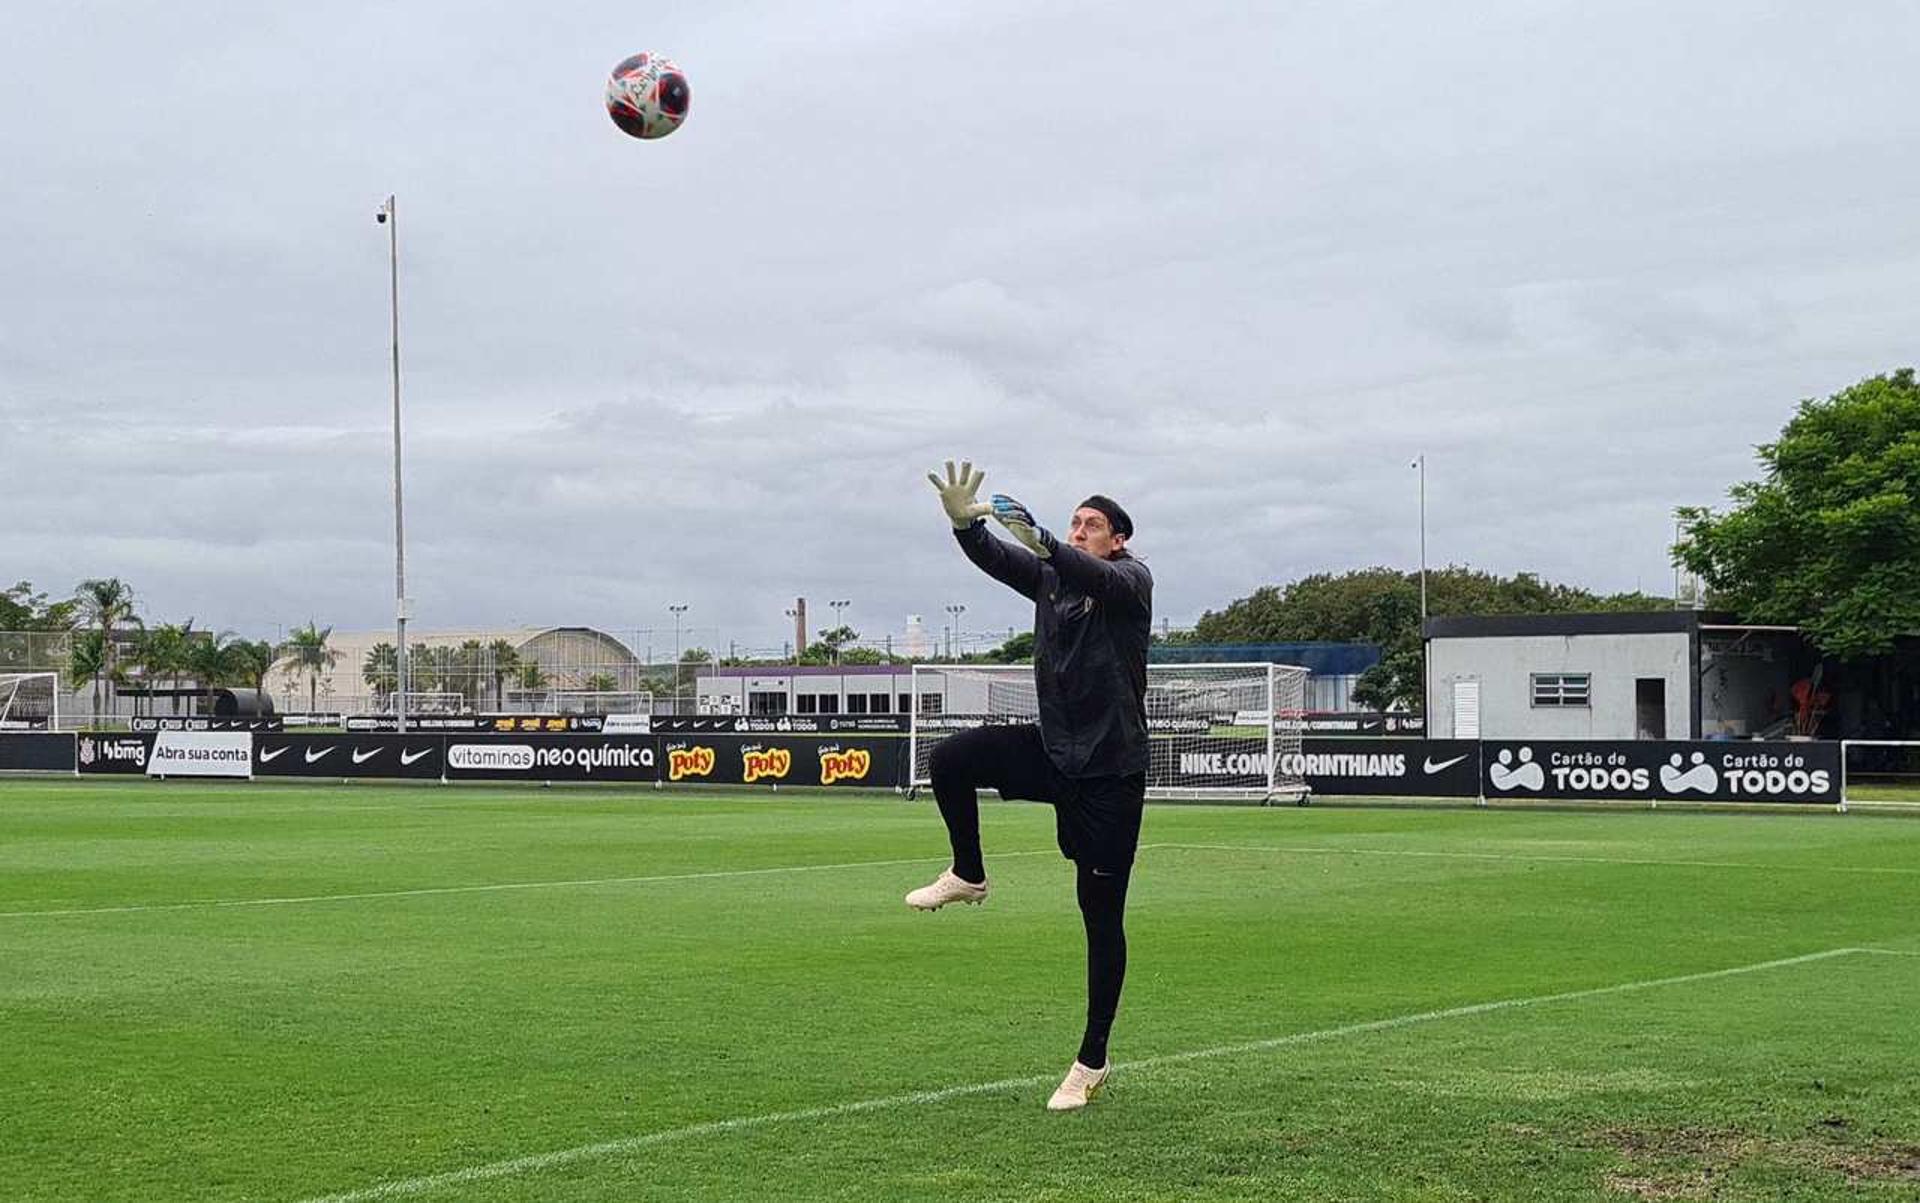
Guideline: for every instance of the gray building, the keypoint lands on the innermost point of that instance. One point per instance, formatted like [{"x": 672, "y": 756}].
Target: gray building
[{"x": 1670, "y": 674}]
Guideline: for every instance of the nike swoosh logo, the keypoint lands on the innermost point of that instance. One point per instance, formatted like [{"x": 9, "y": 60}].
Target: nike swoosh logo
[
  {"x": 267, "y": 756},
  {"x": 1431, "y": 767},
  {"x": 410, "y": 757},
  {"x": 312, "y": 755},
  {"x": 360, "y": 757}
]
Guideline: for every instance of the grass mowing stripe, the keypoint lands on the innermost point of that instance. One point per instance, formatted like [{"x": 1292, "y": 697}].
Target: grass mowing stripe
[
  {"x": 539, "y": 1161},
  {"x": 207, "y": 904},
  {"x": 1510, "y": 856}
]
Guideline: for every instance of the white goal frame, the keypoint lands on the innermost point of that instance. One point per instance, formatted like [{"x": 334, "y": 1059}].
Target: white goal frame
[
  {"x": 10, "y": 683},
  {"x": 1260, "y": 760}
]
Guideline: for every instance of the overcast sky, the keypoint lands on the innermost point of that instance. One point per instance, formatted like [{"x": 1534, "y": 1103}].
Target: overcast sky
[{"x": 1235, "y": 265}]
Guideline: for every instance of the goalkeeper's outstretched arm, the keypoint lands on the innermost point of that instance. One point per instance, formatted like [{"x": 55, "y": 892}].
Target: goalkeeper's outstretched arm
[{"x": 959, "y": 496}]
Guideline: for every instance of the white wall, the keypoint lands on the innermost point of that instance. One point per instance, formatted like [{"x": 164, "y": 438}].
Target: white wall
[{"x": 1504, "y": 665}]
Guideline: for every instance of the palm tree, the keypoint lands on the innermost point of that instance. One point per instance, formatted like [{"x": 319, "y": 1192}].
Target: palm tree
[
  {"x": 529, "y": 677},
  {"x": 308, "y": 647},
  {"x": 85, "y": 658},
  {"x": 163, "y": 656},
  {"x": 506, "y": 661},
  {"x": 105, "y": 603},
  {"x": 381, "y": 668},
  {"x": 251, "y": 660},
  {"x": 602, "y": 683},
  {"x": 467, "y": 664},
  {"x": 212, "y": 659}
]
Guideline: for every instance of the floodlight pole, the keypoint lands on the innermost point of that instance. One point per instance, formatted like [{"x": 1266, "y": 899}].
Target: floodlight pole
[
  {"x": 389, "y": 216},
  {"x": 678, "y": 609},
  {"x": 1426, "y": 655}
]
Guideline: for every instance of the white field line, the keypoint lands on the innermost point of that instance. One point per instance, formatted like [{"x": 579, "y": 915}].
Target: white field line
[
  {"x": 1321, "y": 850},
  {"x": 1888, "y": 952},
  {"x": 301, "y": 900},
  {"x": 614, "y": 1148}
]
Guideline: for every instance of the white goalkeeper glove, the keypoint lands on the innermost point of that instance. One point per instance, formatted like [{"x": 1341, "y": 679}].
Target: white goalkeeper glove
[
  {"x": 1020, "y": 524},
  {"x": 958, "y": 495}
]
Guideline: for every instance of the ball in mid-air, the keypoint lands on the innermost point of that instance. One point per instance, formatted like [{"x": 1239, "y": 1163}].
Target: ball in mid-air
[{"x": 647, "y": 95}]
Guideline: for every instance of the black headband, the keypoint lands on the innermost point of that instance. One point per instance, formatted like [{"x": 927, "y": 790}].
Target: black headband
[{"x": 1116, "y": 517}]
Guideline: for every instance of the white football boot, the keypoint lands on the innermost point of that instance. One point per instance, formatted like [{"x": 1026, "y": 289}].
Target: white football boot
[
  {"x": 1079, "y": 1087},
  {"x": 944, "y": 889}
]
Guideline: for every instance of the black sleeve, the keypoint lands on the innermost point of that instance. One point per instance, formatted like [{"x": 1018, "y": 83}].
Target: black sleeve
[
  {"x": 1124, "y": 583},
  {"x": 1013, "y": 566}
]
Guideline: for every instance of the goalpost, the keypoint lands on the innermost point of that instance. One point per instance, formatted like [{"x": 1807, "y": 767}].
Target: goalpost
[
  {"x": 1879, "y": 772},
  {"x": 29, "y": 701},
  {"x": 1214, "y": 731}
]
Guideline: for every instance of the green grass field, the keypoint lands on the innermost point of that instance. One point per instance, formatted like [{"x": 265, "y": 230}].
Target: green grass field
[{"x": 363, "y": 992}]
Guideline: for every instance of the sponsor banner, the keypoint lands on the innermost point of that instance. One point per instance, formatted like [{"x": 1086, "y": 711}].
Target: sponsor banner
[
  {"x": 502, "y": 724},
  {"x": 183, "y": 722},
  {"x": 875, "y": 761},
  {"x": 1418, "y": 768},
  {"x": 411, "y": 756},
  {"x": 201, "y": 754},
  {"x": 37, "y": 753},
  {"x": 25, "y": 724},
  {"x": 113, "y": 753},
  {"x": 1363, "y": 722},
  {"x": 782, "y": 724},
  {"x": 317, "y": 718},
  {"x": 1413, "y": 768},
  {"x": 1710, "y": 771},
  {"x": 554, "y": 758},
  {"x": 627, "y": 724}
]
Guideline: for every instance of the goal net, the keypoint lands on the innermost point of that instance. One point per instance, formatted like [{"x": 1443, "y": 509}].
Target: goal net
[
  {"x": 1882, "y": 771},
  {"x": 1213, "y": 730},
  {"x": 29, "y": 701}
]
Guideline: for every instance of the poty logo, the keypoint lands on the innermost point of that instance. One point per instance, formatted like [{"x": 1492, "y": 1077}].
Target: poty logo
[
  {"x": 516, "y": 758},
  {"x": 758, "y": 763},
  {"x": 849, "y": 765},
  {"x": 696, "y": 761}
]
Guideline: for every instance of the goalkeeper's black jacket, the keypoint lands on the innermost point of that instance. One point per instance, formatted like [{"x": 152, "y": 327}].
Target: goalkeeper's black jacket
[{"x": 1092, "y": 620}]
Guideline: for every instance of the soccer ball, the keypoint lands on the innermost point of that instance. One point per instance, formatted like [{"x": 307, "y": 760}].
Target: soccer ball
[{"x": 647, "y": 96}]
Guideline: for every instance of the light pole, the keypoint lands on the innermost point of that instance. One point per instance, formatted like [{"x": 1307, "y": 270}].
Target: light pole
[
  {"x": 1426, "y": 655},
  {"x": 956, "y": 609},
  {"x": 838, "y": 606},
  {"x": 678, "y": 609},
  {"x": 794, "y": 612},
  {"x": 389, "y": 216}
]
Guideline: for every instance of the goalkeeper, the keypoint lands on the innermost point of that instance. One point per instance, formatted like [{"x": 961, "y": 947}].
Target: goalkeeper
[{"x": 1087, "y": 756}]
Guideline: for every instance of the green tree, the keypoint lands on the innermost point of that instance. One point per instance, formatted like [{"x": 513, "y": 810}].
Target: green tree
[
  {"x": 251, "y": 660},
  {"x": 162, "y": 656},
  {"x": 105, "y": 604},
  {"x": 87, "y": 657},
  {"x": 308, "y": 650},
  {"x": 1829, "y": 538},
  {"x": 530, "y": 676},
  {"x": 21, "y": 609},
  {"x": 380, "y": 668},
  {"x": 602, "y": 683},
  {"x": 214, "y": 659},
  {"x": 504, "y": 660}
]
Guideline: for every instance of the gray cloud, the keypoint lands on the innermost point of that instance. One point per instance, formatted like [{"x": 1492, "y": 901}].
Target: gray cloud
[{"x": 1234, "y": 267}]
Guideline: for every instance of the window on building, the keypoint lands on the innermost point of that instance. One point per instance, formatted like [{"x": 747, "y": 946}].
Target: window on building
[
  {"x": 1562, "y": 689},
  {"x": 930, "y": 703},
  {"x": 906, "y": 703},
  {"x": 877, "y": 702},
  {"x": 829, "y": 703},
  {"x": 856, "y": 703},
  {"x": 759, "y": 702},
  {"x": 806, "y": 703}
]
